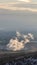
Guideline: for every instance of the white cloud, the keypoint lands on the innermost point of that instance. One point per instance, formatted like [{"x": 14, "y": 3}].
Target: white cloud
[
  {"x": 27, "y": 1},
  {"x": 18, "y": 8},
  {"x": 14, "y": 6}
]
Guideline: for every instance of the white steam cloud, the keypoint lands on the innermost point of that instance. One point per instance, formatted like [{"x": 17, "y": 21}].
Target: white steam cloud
[
  {"x": 18, "y": 34},
  {"x": 15, "y": 44}
]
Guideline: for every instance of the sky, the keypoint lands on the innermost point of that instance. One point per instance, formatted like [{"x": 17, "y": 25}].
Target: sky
[
  {"x": 18, "y": 14},
  {"x": 22, "y": 5},
  {"x": 14, "y": 0}
]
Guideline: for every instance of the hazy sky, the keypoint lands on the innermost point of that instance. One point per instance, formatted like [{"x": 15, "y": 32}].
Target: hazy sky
[
  {"x": 18, "y": 14},
  {"x": 14, "y": 0},
  {"x": 21, "y": 5}
]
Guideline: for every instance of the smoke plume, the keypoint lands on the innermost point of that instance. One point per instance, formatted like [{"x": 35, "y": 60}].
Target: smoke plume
[{"x": 15, "y": 44}]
